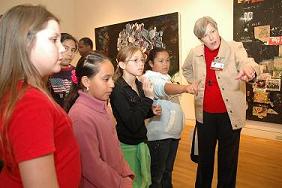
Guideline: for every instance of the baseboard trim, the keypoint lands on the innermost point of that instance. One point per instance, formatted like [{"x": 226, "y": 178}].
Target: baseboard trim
[{"x": 257, "y": 129}]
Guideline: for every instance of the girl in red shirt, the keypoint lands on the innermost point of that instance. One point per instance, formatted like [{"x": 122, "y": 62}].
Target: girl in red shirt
[{"x": 37, "y": 143}]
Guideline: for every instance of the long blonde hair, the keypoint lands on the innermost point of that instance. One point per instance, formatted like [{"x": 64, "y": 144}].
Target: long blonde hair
[{"x": 18, "y": 27}]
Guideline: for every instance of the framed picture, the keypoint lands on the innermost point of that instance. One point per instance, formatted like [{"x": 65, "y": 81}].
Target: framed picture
[
  {"x": 273, "y": 84},
  {"x": 146, "y": 33},
  {"x": 258, "y": 24}
]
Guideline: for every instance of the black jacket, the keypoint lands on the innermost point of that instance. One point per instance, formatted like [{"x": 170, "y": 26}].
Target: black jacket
[{"x": 130, "y": 111}]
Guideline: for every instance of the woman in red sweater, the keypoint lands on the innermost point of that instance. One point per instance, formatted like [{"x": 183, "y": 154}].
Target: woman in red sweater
[{"x": 221, "y": 68}]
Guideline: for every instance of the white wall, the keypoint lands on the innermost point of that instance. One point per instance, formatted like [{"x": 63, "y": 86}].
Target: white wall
[
  {"x": 81, "y": 17},
  {"x": 63, "y": 9}
]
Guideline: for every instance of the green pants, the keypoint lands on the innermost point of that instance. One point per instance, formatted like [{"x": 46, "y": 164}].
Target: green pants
[{"x": 139, "y": 160}]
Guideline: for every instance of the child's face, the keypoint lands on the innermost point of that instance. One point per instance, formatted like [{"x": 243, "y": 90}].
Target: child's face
[
  {"x": 135, "y": 64},
  {"x": 161, "y": 62},
  {"x": 69, "y": 54},
  {"x": 46, "y": 53},
  {"x": 102, "y": 84}
]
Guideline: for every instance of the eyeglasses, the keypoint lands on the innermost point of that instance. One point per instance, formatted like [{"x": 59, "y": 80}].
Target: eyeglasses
[{"x": 136, "y": 61}]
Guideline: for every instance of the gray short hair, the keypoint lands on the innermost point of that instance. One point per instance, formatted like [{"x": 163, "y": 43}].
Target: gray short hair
[{"x": 201, "y": 26}]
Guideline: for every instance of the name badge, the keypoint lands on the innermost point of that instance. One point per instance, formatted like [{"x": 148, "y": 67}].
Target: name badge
[{"x": 217, "y": 64}]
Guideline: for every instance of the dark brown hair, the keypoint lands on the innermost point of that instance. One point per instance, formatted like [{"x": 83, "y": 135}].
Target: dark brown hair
[
  {"x": 152, "y": 55},
  {"x": 89, "y": 67}
]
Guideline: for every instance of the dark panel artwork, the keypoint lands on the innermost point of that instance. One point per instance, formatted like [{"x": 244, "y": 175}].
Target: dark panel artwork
[
  {"x": 157, "y": 31},
  {"x": 258, "y": 24}
]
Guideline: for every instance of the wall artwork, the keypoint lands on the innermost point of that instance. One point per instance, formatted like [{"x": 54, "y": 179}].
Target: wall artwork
[
  {"x": 258, "y": 24},
  {"x": 158, "y": 31}
]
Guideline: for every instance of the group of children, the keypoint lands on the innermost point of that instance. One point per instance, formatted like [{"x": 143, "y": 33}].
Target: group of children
[{"x": 103, "y": 141}]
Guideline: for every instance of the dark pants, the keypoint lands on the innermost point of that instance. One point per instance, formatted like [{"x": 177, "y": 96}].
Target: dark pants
[
  {"x": 163, "y": 153},
  {"x": 217, "y": 128},
  {"x": 1, "y": 165}
]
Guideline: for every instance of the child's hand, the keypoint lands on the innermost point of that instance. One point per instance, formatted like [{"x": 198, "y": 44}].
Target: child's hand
[
  {"x": 126, "y": 182},
  {"x": 148, "y": 88},
  {"x": 193, "y": 88},
  {"x": 157, "y": 109}
]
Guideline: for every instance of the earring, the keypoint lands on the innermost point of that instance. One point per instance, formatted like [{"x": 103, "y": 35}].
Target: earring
[{"x": 87, "y": 88}]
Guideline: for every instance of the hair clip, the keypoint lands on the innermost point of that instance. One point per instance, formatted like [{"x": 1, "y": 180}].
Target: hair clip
[{"x": 73, "y": 77}]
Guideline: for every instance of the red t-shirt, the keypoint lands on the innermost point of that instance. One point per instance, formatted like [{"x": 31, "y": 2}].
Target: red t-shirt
[
  {"x": 213, "y": 102},
  {"x": 39, "y": 127}
]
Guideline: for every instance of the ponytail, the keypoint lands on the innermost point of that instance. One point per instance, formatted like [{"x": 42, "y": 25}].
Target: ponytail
[{"x": 71, "y": 97}]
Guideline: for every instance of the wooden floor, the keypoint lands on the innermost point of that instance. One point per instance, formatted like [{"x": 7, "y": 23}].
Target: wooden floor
[{"x": 260, "y": 163}]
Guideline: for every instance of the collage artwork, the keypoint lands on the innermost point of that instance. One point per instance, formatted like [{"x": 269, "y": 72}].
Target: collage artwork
[
  {"x": 158, "y": 31},
  {"x": 258, "y": 24}
]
